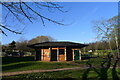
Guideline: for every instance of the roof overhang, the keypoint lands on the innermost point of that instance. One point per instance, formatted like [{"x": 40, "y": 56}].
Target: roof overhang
[{"x": 57, "y": 44}]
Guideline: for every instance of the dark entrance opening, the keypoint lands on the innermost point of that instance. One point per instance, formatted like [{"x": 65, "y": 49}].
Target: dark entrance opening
[
  {"x": 38, "y": 54},
  {"x": 53, "y": 55},
  {"x": 69, "y": 54}
]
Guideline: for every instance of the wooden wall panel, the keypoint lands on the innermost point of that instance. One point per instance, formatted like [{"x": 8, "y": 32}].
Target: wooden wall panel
[
  {"x": 61, "y": 57},
  {"x": 46, "y": 54}
]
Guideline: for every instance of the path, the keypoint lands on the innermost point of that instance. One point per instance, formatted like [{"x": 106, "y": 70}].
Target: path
[
  {"x": 34, "y": 71},
  {"x": 49, "y": 70}
]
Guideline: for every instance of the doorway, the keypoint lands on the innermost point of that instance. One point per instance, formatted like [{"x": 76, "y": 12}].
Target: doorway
[
  {"x": 61, "y": 54},
  {"x": 46, "y": 54},
  {"x": 54, "y": 55},
  {"x": 76, "y": 55}
]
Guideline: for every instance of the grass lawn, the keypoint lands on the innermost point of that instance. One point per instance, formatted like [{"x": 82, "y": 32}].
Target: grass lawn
[
  {"x": 77, "y": 74},
  {"x": 27, "y": 63},
  {"x": 11, "y": 64},
  {"x": 97, "y": 61}
]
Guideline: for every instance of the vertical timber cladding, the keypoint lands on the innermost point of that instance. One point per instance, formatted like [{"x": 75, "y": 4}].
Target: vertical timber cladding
[
  {"x": 69, "y": 54},
  {"x": 38, "y": 54},
  {"x": 46, "y": 55}
]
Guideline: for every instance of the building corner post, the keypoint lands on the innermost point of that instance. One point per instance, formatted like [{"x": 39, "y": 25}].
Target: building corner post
[
  {"x": 57, "y": 54},
  {"x": 80, "y": 54},
  {"x": 73, "y": 54}
]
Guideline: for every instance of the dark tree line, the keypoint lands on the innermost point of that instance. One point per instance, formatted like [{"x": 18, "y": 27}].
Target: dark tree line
[
  {"x": 22, "y": 45},
  {"x": 101, "y": 45}
]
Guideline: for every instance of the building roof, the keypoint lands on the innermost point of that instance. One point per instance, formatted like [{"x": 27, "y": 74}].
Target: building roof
[{"x": 58, "y": 44}]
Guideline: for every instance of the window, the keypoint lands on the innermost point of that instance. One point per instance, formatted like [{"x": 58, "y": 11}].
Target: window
[{"x": 61, "y": 51}]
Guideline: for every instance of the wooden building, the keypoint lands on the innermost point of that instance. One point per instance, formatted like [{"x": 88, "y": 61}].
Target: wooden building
[{"x": 57, "y": 51}]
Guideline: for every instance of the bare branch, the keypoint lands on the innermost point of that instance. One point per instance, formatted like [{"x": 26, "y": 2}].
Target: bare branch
[
  {"x": 24, "y": 12},
  {"x": 9, "y": 29},
  {"x": 42, "y": 21},
  {"x": 3, "y": 32},
  {"x": 58, "y": 7},
  {"x": 21, "y": 10},
  {"x": 10, "y": 11},
  {"x": 47, "y": 5},
  {"x": 42, "y": 16}
]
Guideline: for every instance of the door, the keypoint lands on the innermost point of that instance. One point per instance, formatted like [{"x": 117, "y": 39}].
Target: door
[
  {"x": 46, "y": 55},
  {"x": 54, "y": 55},
  {"x": 76, "y": 55},
  {"x": 61, "y": 55}
]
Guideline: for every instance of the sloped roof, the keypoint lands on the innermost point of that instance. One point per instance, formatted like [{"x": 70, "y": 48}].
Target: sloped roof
[{"x": 58, "y": 44}]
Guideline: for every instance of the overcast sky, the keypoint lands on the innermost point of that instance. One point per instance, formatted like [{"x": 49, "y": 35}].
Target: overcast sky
[{"x": 79, "y": 19}]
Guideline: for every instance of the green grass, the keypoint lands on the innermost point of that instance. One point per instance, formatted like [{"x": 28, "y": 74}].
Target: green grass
[
  {"x": 93, "y": 61},
  {"x": 11, "y": 64},
  {"x": 32, "y": 65},
  {"x": 27, "y": 63},
  {"x": 16, "y": 64},
  {"x": 81, "y": 62},
  {"x": 78, "y": 74},
  {"x": 96, "y": 61}
]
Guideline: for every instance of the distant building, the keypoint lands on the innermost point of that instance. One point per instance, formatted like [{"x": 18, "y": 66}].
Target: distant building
[
  {"x": 57, "y": 51},
  {"x": 90, "y": 51}
]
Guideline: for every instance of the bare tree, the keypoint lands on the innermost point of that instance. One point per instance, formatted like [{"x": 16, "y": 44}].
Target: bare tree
[
  {"x": 114, "y": 23},
  {"x": 26, "y": 10},
  {"x": 22, "y": 45},
  {"x": 107, "y": 30}
]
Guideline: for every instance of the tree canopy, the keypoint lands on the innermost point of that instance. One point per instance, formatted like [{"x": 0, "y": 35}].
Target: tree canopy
[{"x": 40, "y": 39}]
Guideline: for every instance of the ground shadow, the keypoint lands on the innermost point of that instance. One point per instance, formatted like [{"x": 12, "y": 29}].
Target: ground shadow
[
  {"x": 8, "y": 60},
  {"x": 114, "y": 72},
  {"x": 102, "y": 71},
  {"x": 15, "y": 66},
  {"x": 85, "y": 74}
]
